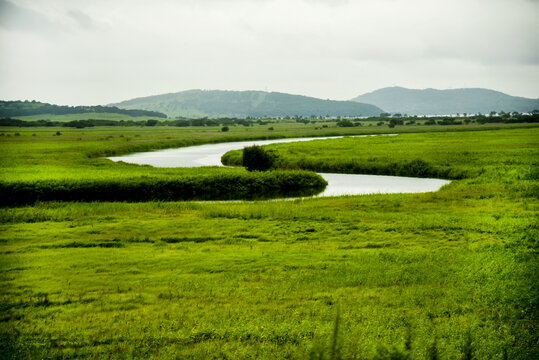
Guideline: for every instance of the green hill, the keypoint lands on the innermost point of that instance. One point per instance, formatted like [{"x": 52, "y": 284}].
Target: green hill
[
  {"x": 217, "y": 103},
  {"x": 35, "y": 108},
  {"x": 446, "y": 102}
]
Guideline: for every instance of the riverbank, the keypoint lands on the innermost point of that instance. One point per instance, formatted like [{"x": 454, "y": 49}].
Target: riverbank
[{"x": 337, "y": 184}]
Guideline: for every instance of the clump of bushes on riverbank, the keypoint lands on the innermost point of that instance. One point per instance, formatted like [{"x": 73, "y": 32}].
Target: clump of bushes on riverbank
[{"x": 248, "y": 186}]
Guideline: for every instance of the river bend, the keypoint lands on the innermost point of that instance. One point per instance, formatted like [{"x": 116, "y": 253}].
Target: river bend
[{"x": 338, "y": 184}]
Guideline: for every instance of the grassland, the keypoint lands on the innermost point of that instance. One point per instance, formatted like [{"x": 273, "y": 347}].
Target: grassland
[
  {"x": 443, "y": 155},
  {"x": 451, "y": 274},
  {"x": 55, "y": 164},
  {"x": 30, "y": 154}
]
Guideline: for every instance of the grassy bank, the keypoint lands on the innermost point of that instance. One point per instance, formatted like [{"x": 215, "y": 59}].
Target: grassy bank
[
  {"x": 444, "y": 155},
  {"x": 30, "y": 154},
  {"x": 450, "y": 274},
  {"x": 44, "y": 165},
  {"x": 227, "y": 185}
]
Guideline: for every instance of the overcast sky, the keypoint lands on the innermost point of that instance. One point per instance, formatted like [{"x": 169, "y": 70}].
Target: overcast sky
[{"x": 79, "y": 52}]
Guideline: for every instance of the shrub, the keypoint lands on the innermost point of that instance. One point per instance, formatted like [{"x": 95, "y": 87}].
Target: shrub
[
  {"x": 225, "y": 129},
  {"x": 345, "y": 123},
  {"x": 255, "y": 158}
]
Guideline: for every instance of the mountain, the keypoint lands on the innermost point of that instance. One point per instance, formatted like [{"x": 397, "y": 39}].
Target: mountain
[
  {"x": 28, "y": 108},
  {"x": 446, "y": 102},
  {"x": 219, "y": 103}
]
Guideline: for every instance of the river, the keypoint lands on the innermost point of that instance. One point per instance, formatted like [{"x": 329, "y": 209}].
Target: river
[{"x": 338, "y": 184}]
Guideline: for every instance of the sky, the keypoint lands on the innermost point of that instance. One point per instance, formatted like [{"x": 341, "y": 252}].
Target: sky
[{"x": 89, "y": 52}]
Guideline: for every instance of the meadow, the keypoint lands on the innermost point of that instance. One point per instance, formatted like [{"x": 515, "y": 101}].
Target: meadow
[
  {"x": 441, "y": 155},
  {"x": 444, "y": 275},
  {"x": 43, "y": 164}
]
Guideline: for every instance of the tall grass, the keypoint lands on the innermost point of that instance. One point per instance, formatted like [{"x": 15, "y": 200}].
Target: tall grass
[
  {"x": 444, "y": 275},
  {"x": 244, "y": 185},
  {"x": 443, "y": 155}
]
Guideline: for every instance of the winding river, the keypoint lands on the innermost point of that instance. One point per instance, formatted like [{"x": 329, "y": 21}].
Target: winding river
[{"x": 338, "y": 184}]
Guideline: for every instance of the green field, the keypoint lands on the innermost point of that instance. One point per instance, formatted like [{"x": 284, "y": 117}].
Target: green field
[
  {"x": 449, "y": 275},
  {"x": 444, "y": 155}
]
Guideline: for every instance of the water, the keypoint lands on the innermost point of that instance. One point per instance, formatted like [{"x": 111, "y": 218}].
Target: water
[
  {"x": 351, "y": 184},
  {"x": 338, "y": 184},
  {"x": 200, "y": 155}
]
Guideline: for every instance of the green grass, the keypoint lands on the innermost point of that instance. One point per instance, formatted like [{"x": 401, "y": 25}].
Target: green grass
[
  {"x": 422, "y": 155},
  {"x": 457, "y": 268},
  {"x": 214, "y": 185},
  {"x": 39, "y": 154},
  {"x": 59, "y": 164}
]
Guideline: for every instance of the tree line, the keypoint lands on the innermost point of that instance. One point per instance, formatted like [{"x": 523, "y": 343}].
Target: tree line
[
  {"x": 29, "y": 108},
  {"x": 391, "y": 121}
]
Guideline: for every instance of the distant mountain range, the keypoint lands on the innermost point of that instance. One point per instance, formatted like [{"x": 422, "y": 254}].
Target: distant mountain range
[
  {"x": 28, "y": 108},
  {"x": 241, "y": 104},
  {"x": 446, "y": 102},
  {"x": 219, "y": 103}
]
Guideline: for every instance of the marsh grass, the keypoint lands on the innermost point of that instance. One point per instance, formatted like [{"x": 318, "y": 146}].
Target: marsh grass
[
  {"x": 444, "y": 275},
  {"x": 442, "y": 155},
  {"x": 218, "y": 186}
]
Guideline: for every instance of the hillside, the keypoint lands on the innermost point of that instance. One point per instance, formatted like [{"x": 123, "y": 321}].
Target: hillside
[
  {"x": 445, "y": 102},
  {"x": 35, "y": 108},
  {"x": 217, "y": 103}
]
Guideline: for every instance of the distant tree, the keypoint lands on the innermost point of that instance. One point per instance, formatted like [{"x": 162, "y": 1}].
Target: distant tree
[
  {"x": 255, "y": 158},
  {"x": 394, "y": 122},
  {"x": 345, "y": 123},
  {"x": 151, "y": 122},
  {"x": 198, "y": 122},
  {"x": 225, "y": 129}
]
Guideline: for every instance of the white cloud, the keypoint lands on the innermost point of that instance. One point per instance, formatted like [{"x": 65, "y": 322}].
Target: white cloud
[{"x": 101, "y": 51}]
